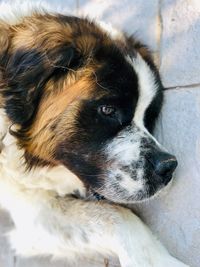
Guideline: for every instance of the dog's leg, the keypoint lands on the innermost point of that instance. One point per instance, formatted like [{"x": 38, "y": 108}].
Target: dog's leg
[{"x": 67, "y": 227}]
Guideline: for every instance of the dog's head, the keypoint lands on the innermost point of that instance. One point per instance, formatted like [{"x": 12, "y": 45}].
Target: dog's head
[{"x": 86, "y": 100}]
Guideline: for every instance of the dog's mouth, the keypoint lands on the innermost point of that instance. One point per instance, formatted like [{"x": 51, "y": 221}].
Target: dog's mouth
[
  {"x": 149, "y": 192},
  {"x": 97, "y": 196},
  {"x": 93, "y": 195}
]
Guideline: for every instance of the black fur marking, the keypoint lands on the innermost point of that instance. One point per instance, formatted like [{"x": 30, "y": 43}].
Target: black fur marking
[{"x": 153, "y": 110}]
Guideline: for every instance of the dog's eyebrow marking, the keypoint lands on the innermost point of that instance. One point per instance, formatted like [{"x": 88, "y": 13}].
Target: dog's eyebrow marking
[{"x": 147, "y": 87}]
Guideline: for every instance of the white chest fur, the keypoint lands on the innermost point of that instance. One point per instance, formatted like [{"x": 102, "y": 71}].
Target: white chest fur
[{"x": 15, "y": 178}]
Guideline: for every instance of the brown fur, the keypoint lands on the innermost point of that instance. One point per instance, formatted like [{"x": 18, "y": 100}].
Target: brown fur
[
  {"x": 4, "y": 37},
  {"x": 48, "y": 32},
  {"x": 55, "y": 118}
]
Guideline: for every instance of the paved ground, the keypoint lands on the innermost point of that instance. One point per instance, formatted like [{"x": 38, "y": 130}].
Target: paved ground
[{"x": 172, "y": 29}]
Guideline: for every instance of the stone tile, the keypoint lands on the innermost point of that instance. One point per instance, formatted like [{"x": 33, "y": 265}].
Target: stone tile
[
  {"x": 62, "y": 6},
  {"x": 175, "y": 216},
  {"x": 17, "y": 6},
  {"x": 139, "y": 17},
  {"x": 180, "y": 49}
]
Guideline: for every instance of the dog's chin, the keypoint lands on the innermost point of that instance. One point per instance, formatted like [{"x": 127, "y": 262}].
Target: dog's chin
[
  {"x": 125, "y": 199},
  {"x": 139, "y": 197}
]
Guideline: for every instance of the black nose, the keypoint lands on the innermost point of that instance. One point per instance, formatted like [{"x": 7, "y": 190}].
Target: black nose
[{"x": 164, "y": 165}]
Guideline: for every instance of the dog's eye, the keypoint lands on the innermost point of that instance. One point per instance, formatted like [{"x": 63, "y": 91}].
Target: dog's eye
[{"x": 107, "y": 110}]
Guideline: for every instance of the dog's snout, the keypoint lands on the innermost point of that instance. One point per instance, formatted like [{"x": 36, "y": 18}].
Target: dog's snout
[{"x": 164, "y": 165}]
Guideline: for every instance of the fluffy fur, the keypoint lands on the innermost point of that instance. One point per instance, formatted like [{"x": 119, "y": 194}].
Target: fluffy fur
[{"x": 78, "y": 103}]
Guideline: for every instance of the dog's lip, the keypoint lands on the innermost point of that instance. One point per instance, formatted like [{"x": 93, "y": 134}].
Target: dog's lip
[
  {"x": 166, "y": 179},
  {"x": 98, "y": 196}
]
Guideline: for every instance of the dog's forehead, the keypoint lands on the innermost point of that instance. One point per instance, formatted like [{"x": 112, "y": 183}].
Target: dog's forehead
[{"x": 118, "y": 76}]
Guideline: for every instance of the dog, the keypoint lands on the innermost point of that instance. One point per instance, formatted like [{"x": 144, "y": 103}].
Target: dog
[{"x": 78, "y": 104}]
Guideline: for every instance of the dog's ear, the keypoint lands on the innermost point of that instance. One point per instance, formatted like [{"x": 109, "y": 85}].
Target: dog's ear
[
  {"x": 26, "y": 73},
  {"x": 42, "y": 48}
]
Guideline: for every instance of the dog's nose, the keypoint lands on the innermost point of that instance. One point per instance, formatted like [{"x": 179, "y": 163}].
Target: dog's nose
[{"x": 164, "y": 165}]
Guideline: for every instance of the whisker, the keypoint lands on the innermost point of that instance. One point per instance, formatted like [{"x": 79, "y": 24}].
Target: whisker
[{"x": 96, "y": 80}]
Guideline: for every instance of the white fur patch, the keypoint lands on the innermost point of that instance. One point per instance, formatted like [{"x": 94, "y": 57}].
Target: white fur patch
[
  {"x": 125, "y": 175},
  {"x": 113, "y": 32},
  {"x": 147, "y": 87},
  {"x": 131, "y": 185},
  {"x": 125, "y": 147},
  {"x": 58, "y": 179}
]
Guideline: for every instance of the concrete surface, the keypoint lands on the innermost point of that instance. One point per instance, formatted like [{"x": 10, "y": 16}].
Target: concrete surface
[
  {"x": 127, "y": 15},
  {"x": 175, "y": 217},
  {"x": 180, "y": 43},
  {"x": 172, "y": 29}
]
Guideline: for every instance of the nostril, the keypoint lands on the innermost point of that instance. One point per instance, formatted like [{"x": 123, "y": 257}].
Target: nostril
[
  {"x": 163, "y": 164},
  {"x": 166, "y": 167}
]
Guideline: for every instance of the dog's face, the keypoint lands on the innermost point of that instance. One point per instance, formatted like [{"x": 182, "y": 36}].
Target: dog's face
[{"x": 86, "y": 101}]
